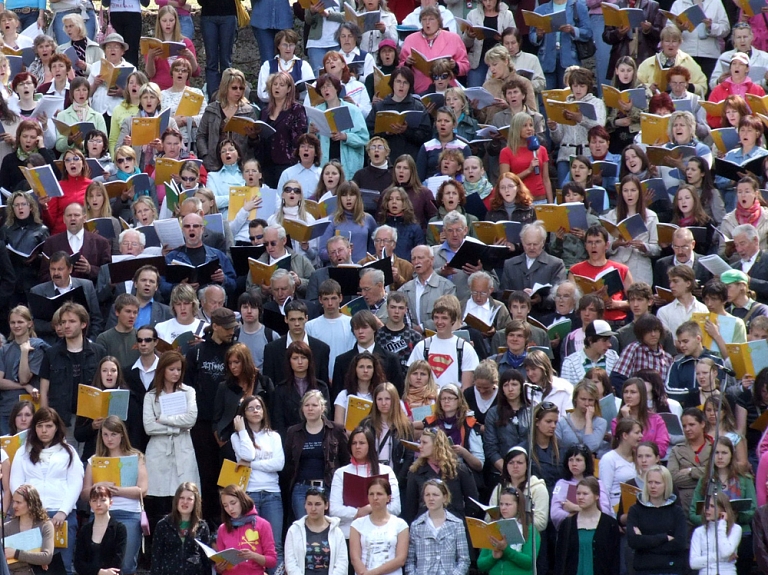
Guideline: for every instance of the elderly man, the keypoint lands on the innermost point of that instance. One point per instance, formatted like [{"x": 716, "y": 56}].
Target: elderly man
[
  {"x": 283, "y": 291},
  {"x": 424, "y": 289},
  {"x": 211, "y": 297},
  {"x": 301, "y": 267},
  {"x": 535, "y": 266},
  {"x": 212, "y": 239},
  {"x": 374, "y": 294},
  {"x": 195, "y": 253},
  {"x": 385, "y": 240},
  {"x": 456, "y": 231},
  {"x": 752, "y": 260},
  {"x": 742, "y": 37},
  {"x": 652, "y": 70},
  {"x": 146, "y": 282},
  {"x": 61, "y": 282},
  {"x": 94, "y": 251},
  {"x": 683, "y": 245},
  {"x": 481, "y": 306},
  {"x": 339, "y": 252},
  {"x": 131, "y": 243}
]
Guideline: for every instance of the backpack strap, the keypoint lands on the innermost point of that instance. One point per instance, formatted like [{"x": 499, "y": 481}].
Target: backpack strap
[{"x": 427, "y": 341}]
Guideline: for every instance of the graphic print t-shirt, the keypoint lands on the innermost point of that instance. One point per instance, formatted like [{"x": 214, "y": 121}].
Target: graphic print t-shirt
[{"x": 317, "y": 559}]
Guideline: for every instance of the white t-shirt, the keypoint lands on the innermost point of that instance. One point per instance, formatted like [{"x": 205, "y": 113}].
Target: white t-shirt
[
  {"x": 342, "y": 398},
  {"x": 379, "y": 542},
  {"x": 615, "y": 470},
  {"x": 170, "y": 329},
  {"x": 442, "y": 359}
]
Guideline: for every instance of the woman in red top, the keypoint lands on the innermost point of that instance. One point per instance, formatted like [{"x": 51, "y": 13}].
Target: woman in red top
[
  {"x": 532, "y": 167},
  {"x": 74, "y": 181},
  {"x": 168, "y": 29},
  {"x": 738, "y": 83}
]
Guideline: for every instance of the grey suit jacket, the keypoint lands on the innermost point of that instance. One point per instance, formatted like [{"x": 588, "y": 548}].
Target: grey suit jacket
[
  {"x": 96, "y": 325},
  {"x": 546, "y": 269},
  {"x": 436, "y": 286}
]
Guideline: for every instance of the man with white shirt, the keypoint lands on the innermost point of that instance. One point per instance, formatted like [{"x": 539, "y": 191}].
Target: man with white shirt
[
  {"x": 374, "y": 293},
  {"x": 413, "y": 19},
  {"x": 146, "y": 282},
  {"x": 93, "y": 250},
  {"x": 742, "y": 38},
  {"x": 482, "y": 306},
  {"x": 682, "y": 281},
  {"x": 131, "y": 244},
  {"x": 333, "y": 327},
  {"x": 753, "y": 261},
  {"x": 139, "y": 379},
  {"x": 683, "y": 246},
  {"x": 424, "y": 289}
]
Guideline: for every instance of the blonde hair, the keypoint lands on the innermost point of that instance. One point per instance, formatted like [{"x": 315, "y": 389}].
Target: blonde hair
[
  {"x": 176, "y": 32},
  {"x": 441, "y": 453},
  {"x": 280, "y": 216},
  {"x": 106, "y": 208},
  {"x": 210, "y": 196}
]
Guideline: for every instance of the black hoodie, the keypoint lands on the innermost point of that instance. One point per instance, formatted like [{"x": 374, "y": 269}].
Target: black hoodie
[{"x": 654, "y": 551}]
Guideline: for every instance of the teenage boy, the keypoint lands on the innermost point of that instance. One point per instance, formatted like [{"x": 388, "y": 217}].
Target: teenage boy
[
  {"x": 644, "y": 353},
  {"x": 741, "y": 303},
  {"x": 364, "y": 326},
  {"x": 729, "y": 329},
  {"x": 682, "y": 373},
  {"x": 394, "y": 335},
  {"x": 451, "y": 358},
  {"x": 682, "y": 281},
  {"x": 517, "y": 334},
  {"x": 253, "y": 333},
  {"x": 640, "y": 297},
  {"x": 333, "y": 327},
  {"x": 596, "y": 352},
  {"x": 519, "y": 305},
  {"x": 120, "y": 341}
]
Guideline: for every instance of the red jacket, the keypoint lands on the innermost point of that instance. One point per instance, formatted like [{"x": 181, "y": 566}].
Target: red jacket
[
  {"x": 74, "y": 192},
  {"x": 725, "y": 89}
]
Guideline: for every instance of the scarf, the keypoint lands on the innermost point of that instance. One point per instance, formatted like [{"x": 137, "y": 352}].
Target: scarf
[
  {"x": 688, "y": 222},
  {"x": 419, "y": 397},
  {"x": 453, "y": 430},
  {"x": 23, "y": 156},
  {"x": 749, "y": 215},
  {"x": 482, "y": 187},
  {"x": 515, "y": 361},
  {"x": 125, "y": 175},
  {"x": 81, "y": 110},
  {"x": 249, "y": 519}
]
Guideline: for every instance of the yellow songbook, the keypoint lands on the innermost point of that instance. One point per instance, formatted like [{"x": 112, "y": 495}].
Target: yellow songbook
[
  {"x": 480, "y": 532},
  {"x": 27, "y": 397},
  {"x": 547, "y": 22},
  {"x": 314, "y": 208},
  {"x": 60, "y": 536},
  {"x": 233, "y": 474},
  {"x": 654, "y": 129},
  {"x": 388, "y": 119},
  {"x": 238, "y": 196},
  {"x": 114, "y": 75},
  {"x": 190, "y": 104},
  {"x": 748, "y": 358},
  {"x": 713, "y": 108},
  {"x": 122, "y": 471},
  {"x": 12, "y": 443},
  {"x": 622, "y": 17},
  {"x": 95, "y": 403},
  {"x": 557, "y": 94},
  {"x": 688, "y": 19},
  {"x": 357, "y": 410},
  {"x": 166, "y": 168},
  {"x": 424, "y": 64},
  {"x": 555, "y": 216},
  {"x": 261, "y": 273},
  {"x": 725, "y": 139},
  {"x": 758, "y": 104},
  {"x": 304, "y": 232},
  {"x": 381, "y": 83},
  {"x": 628, "y": 495},
  {"x": 145, "y": 130},
  {"x": 556, "y": 111},
  {"x": 168, "y": 48},
  {"x": 701, "y": 319}
]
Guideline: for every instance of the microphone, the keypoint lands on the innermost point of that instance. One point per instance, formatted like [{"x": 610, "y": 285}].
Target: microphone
[
  {"x": 727, "y": 371},
  {"x": 533, "y": 146},
  {"x": 534, "y": 387}
]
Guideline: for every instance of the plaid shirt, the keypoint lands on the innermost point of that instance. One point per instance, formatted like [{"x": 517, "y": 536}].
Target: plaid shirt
[
  {"x": 443, "y": 553},
  {"x": 637, "y": 356}
]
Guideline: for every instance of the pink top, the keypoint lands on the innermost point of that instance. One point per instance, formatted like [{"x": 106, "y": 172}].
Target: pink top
[
  {"x": 256, "y": 537},
  {"x": 445, "y": 45},
  {"x": 656, "y": 432},
  {"x": 179, "y": 9},
  {"x": 760, "y": 478},
  {"x": 162, "y": 75}
]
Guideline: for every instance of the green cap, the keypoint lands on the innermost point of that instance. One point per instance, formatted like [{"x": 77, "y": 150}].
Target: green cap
[{"x": 734, "y": 276}]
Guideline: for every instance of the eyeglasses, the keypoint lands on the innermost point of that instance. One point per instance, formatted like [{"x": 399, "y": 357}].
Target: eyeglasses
[
  {"x": 291, "y": 190},
  {"x": 260, "y": 236},
  {"x": 740, "y": 25},
  {"x": 547, "y": 406},
  {"x": 273, "y": 243},
  {"x": 253, "y": 409},
  {"x": 441, "y": 76},
  {"x": 73, "y": 160},
  {"x": 376, "y": 147},
  {"x": 382, "y": 241},
  {"x": 188, "y": 179},
  {"x": 145, "y": 339},
  {"x": 479, "y": 293},
  {"x": 95, "y": 141},
  {"x": 130, "y": 244},
  {"x": 123, "y": 160},
  {"x": 21, "y": 205}
]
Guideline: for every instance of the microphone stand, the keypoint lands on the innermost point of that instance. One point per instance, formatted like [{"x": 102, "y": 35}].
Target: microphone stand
[{"x": 529, "y": 505}]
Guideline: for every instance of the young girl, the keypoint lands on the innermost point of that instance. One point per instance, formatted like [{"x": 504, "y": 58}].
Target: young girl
[
  {"x": 243, "y": 529},
  {"x": 637, "y": 253},
  {"x": 20, "y": 417},
  {"x": 168, "y": 434},
  {"x": 466, "y": 125},
  {"x": 688, "y": 212},
  {"x": 646, "y": 456},
  {"x": 351, "y": 221},
  {"x": 127, "y": 108},
  {"x": 539, "y": 371},
  {"x": 230, "y": 174},
  {"x": 451, "y": 196},
  {"x": 109, "y": 375},
  {"x": 420, "y": 390},
  {"x": 100, "y": 543},
  {"x": 97, "y": 206},
  {"x": 407, "y": 177},
  {"x": 618, "y": 465},
  {"x": 291, "y": 207},
  {"x": 715, "y": 544},
  {"x": 79, "y": 111},
  {"x": 504, "y": 558},
  {"x": 331, "y": 176},
  {"x": 578, "y": 464},
  {"x": 113, "y": 442},
  {"x": 437, "y": 534},
  {"x": 546, "y": 452},
  {"x": 446, "y": 123},
  {"x": 635, "y": 406},
  {"x": 699, "y": 176},
  {"x": 397, "y": 211},
  {"x": 624, "y": 122},
  {"x": 363, "y": 376},
  {"x": 378, "y": 541},
  {"x": 514, "y": 473},
  {"x": 254, "y": 443},
  {"x": 168, "y": 29},
  {"x": 96, "y": 146},
  {"x": 507, "y": 423},
  {"x": 727, "y": 428},
  {"x": 476, "y": 182},
  {"x": 180, "y": 72}
]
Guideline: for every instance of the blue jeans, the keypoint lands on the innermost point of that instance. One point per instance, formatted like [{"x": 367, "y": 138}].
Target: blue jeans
[
  {"x": 68, "y": 554},
  {"x": 28, "y": 19},
  {"x": 603, "y": 54},
  {"x": 132, "y": 522},
  {"x": 57, "y": 25},
  {"x": 265, "y": 38},
  {"x": 563, "y": 169},
  {"x": 555, "y": 79},
  {"x": 476, "y": 76},
  {"x": 187, "y": 26},
  {"x": 270, "y": 507},
  {"x": 218, "y": 39},
  {"x": 298, "y": 495},
  {"x": 315, "y": 57}
]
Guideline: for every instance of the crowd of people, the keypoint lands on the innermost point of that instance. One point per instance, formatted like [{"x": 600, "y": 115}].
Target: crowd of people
[{"x": 434, "y": 264}]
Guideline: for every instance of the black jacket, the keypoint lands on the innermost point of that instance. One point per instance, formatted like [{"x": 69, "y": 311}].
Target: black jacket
[
  {"x": 647, "y": 43},
  {"x": 606, "y": 545},
  {"x": 334, "y": 449},
  {"x": 461, "y": 487},
  {"x": 286, "y": 405},
  {"x": 135, "y": 421},
  {"x": 228, "y": 398},
  {"x": 57, "y": 369},
  {"x": 400, "y": 458},
  {"x": 110, "y": 553},
  {"x": 173, "y": 556},
  {"x": 661, "y": 278},
  {"x": 389, "y": 363},
  {"x": 654, "y": 553},
  {"x": 24, "y": 239},
  {"x": 274, "y": 358},
  {"x": 758, "y": 276},
  {"x": 409, "y": 141},
  {"x": 205, "y": 369}
]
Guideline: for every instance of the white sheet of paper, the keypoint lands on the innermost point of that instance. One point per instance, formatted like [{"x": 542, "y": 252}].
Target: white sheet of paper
[
  {"x": 48, "y": 105},
  {"x": 169, "y": 232},
  {"x": 173, "y": 403}
]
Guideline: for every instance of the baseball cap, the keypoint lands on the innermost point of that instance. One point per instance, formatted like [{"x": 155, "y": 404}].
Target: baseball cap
[
  {"x": 740, "y": 57},
  {"x": 734, "y": 276},
  {"x": 224, "y": 317},
  {"x": 599, "y": 328},
  {"x": 387, "y": 43}
]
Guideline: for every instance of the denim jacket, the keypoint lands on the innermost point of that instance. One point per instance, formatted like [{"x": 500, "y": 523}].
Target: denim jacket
[{"x": 547, "y": 49}]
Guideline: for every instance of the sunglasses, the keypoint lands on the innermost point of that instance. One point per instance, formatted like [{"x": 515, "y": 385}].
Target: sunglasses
[
  {"x": 272, "y": 244},
  {"x": 291, "y": 190},
  {"x": 145, "y": 339},
  {"x": 188, "y": 179},
  {"x": 441, "y": 76},
  {"x": 123, "y": 160},
  {"x": 260, "y": 236}
]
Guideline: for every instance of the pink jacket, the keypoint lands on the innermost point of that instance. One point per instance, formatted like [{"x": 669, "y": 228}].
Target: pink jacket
[
  {"x": 656, "y": 432},
  {"x": 257, "y": 537},
  {"x": 727, "y": 88},
  {"x": 446, "y": 45},
  {"x": 760, "y": 478}
]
